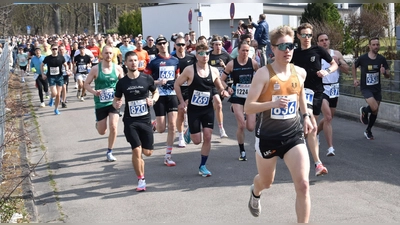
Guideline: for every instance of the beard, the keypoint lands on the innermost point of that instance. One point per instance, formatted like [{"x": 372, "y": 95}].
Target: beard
[{"x": 132, "y": 70}]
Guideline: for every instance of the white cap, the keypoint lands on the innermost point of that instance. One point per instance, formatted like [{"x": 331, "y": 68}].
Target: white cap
[{"x": 140, "y": 35}]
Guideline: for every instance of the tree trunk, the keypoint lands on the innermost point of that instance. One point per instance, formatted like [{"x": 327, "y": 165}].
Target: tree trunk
[{"x": 56, "y": 17}]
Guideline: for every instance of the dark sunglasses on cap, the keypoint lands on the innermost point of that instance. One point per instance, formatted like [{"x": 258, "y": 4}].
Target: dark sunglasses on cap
[
  {"x": 284, "y": 46},
  {"x": 181, "y": 44},
  {"x": 306, "y": 35}
]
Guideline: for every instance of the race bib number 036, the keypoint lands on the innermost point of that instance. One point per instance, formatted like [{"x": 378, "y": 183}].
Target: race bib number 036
[
  {"x": 106, "y": 95},
  {"x": 167, "y": 72},
  {"x": 309, "y": 96},
  {"x": 200, "y": 98},
  {"x": 242, "y": 90},
  {"x": 287, "y": 113},
  {"x": 138, "y": 108}
]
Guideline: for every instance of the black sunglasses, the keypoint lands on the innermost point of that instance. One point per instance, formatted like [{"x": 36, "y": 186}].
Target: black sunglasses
[
  {"x": 162, "y": 43},
  {"x": 181, "y": 44},
  {"x": 284, "y": 46}
]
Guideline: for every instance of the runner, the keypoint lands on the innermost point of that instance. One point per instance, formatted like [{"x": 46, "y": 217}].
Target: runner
[
  {"x": 165, "y": 69},
  {"x": 277, "y": 93},
  {"x": 201, "y": 79},
  {"x": 105, "y": 76},
  {"x": 41, "y": 84},
  {"x": 81, "y": 64},
  {"x": 241, "y": 71},
  {"x": 137, "y": 119}
]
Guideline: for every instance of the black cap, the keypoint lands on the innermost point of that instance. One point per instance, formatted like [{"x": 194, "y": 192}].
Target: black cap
[
  {"x": 161, "y": 39},
  {"x": 81, "y": 47}
]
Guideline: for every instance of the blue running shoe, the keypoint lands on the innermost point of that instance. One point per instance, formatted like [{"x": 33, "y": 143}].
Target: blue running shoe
[
  {"x": 51, "y": 102},
  {"x": 56, "y": 112},
  {"x": 186, "y": 136},
  {"x": 204, "y": 172}
]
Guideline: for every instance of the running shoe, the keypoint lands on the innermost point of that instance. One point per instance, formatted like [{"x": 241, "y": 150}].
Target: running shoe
[
  {"x": 78, "y": 93},
  {"x": 22, "y": 80},
  {"x": 222, "y": 133},
  {"x": 181, "y": 142},
  {"x": 82, "y": 99},
  {"x": 110, "y": 157},
  {"x": 186, "y": 136},
  {"x": 168, "y": 161},
  {"x": 331, "y": 152},
  {"x": 320, "y": 170},
  {"x": 154, "y": 125},
  {"x": 57, "y": 112},
  {"x": 254, "y": 203},
  {"x": 204, "y": 172},
  {"x": 141, "y": 185},
  {"x": 63, "y": 105},
  {"x": 42, "y": 105},
  {"x": 363, "y": 116},
  {"x": 242, "y": 156},
  {"x": 47, "y": 95},
  {"x": 368, "y": 135},
  {"x": 51, "y": 102}
]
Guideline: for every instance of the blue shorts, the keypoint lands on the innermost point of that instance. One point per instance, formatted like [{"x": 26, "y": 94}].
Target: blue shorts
[{"x": 56, "y": 80}]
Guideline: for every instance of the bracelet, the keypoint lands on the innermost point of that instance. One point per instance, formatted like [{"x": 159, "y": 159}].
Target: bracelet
[{"x": 306, "y": 114}]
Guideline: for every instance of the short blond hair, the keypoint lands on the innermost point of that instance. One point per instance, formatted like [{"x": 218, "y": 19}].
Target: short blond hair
[{"x": 279, "y": 32}]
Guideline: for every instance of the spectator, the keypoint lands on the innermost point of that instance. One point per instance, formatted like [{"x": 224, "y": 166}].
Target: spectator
[
  {"x": 227, "y": 44},
  {"x": 261, "y": 35}
]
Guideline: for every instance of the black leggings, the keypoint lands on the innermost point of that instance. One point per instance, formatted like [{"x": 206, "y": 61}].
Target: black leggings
[{"x": 42, "y": 85}]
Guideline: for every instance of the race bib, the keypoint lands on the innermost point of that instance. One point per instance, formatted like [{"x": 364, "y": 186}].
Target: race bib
[
  {"x": 167, "y": 72},
  {"x": 141, "y": 63},
  {"x": 309, "y": 96},
  {"x": 334, "y": 91},
  {"x": 221, "y": 70},
  {"x": 138, "y": 108},
  {"x": 289, "y": 112},
  {"x": 242, "y": 90},
  {"x": 55, "y": 70},
  {"x": 106, "y": 95},
  {"x": 82, "y": 68},
  {"x": 372, "y": 78},
  {"x": 200, "y": 98}
]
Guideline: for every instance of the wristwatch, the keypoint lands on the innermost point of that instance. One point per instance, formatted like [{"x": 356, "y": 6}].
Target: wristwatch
[
  {"x": 328, "y": 70},
  {"x": 306, "y": 114}
]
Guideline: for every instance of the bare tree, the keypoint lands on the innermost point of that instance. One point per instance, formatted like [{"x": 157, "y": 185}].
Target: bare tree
[{"x": 334, "y": 32}]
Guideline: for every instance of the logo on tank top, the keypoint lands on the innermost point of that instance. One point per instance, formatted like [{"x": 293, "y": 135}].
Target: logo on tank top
[
  {"x": 312, "y": 59},
  {"x": 294, "y": 85}
]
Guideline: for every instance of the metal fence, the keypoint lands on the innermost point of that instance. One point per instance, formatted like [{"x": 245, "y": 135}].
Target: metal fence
[
  {"x": 390, "y": 87},
  {"x": 4, "y": 77}
]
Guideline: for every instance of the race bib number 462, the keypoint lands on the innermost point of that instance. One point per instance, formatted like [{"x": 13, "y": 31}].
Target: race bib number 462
[{"x": 285, "y": 113}]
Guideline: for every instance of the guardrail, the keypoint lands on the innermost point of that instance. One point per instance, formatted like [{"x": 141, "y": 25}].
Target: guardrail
[{"x": 4, "y": 77}]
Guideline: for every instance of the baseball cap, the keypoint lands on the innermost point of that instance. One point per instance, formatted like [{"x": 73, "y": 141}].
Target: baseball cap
[
  {"x": 140, "y": 35},
  {"x": 81, "y": 47},
  {"x": 161, "y": 39},
  {"x": 180, "y": 34}
]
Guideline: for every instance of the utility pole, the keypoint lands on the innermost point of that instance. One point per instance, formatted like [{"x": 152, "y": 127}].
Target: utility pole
[{"x": 96, "y": 17}]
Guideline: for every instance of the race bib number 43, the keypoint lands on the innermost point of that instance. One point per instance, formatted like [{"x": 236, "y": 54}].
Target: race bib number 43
[
  {"x": 242, "y": 90},
  {"x": 200, "y": 98},
  {"x": 167, "y": 72},
  {"x": 138, "y": 108},
  {"x": 285, "y": 113},
  {"x": 372, "y": 78},
  {"x": 106, "y": 95}
]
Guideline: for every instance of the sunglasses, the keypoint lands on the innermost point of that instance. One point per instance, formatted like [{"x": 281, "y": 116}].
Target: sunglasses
[
  {"x": 162, "y": 43},
  {"x": 306, "y": 35},
  {"x": 54, "y": 49},
  {"x": 181, "y": 44},
  {"x": 284, "y": 46},
  {"x": 151, "y": 40},
  {"x": 203, "y": 53}
]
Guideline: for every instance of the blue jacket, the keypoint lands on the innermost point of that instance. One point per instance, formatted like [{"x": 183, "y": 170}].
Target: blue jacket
[
  {"x": 261, "y": 35},
  {"x": 36, "y": 62}
]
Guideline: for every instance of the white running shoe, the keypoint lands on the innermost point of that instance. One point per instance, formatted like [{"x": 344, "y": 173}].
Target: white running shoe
[
  {"x": 168, "y": 161},
  {"x": 222, "y": 133},
  {"x": 181, "y": 143},
  {"x": 331, "y": 152},
  {"x": 42, "y": 105},
  {"x": 82, "y": 99},
  {"x": 141, "y": 185},
  {"x": 110, "y": 157}
]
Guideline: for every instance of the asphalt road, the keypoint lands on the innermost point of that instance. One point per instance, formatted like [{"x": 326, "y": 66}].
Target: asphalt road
[{"x": 73, "y": 183}]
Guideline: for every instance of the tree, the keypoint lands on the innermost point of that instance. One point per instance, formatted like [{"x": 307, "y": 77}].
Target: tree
[
  {"x": 324, "y": 12},
  {"x": 130, "y": 22},
  {"x": 56, "y": 18}
]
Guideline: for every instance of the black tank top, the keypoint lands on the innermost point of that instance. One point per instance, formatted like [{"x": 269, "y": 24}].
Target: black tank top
[
  {"x": 200, "y": 91},
  {"x": 241, "y": 74}
]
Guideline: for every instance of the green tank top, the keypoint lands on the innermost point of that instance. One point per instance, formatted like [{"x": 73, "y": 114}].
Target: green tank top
[{"x": 106, "y": 83}]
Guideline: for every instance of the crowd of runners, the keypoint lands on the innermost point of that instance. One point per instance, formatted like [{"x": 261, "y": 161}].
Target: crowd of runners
[{"x": 279, "y": 97}]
